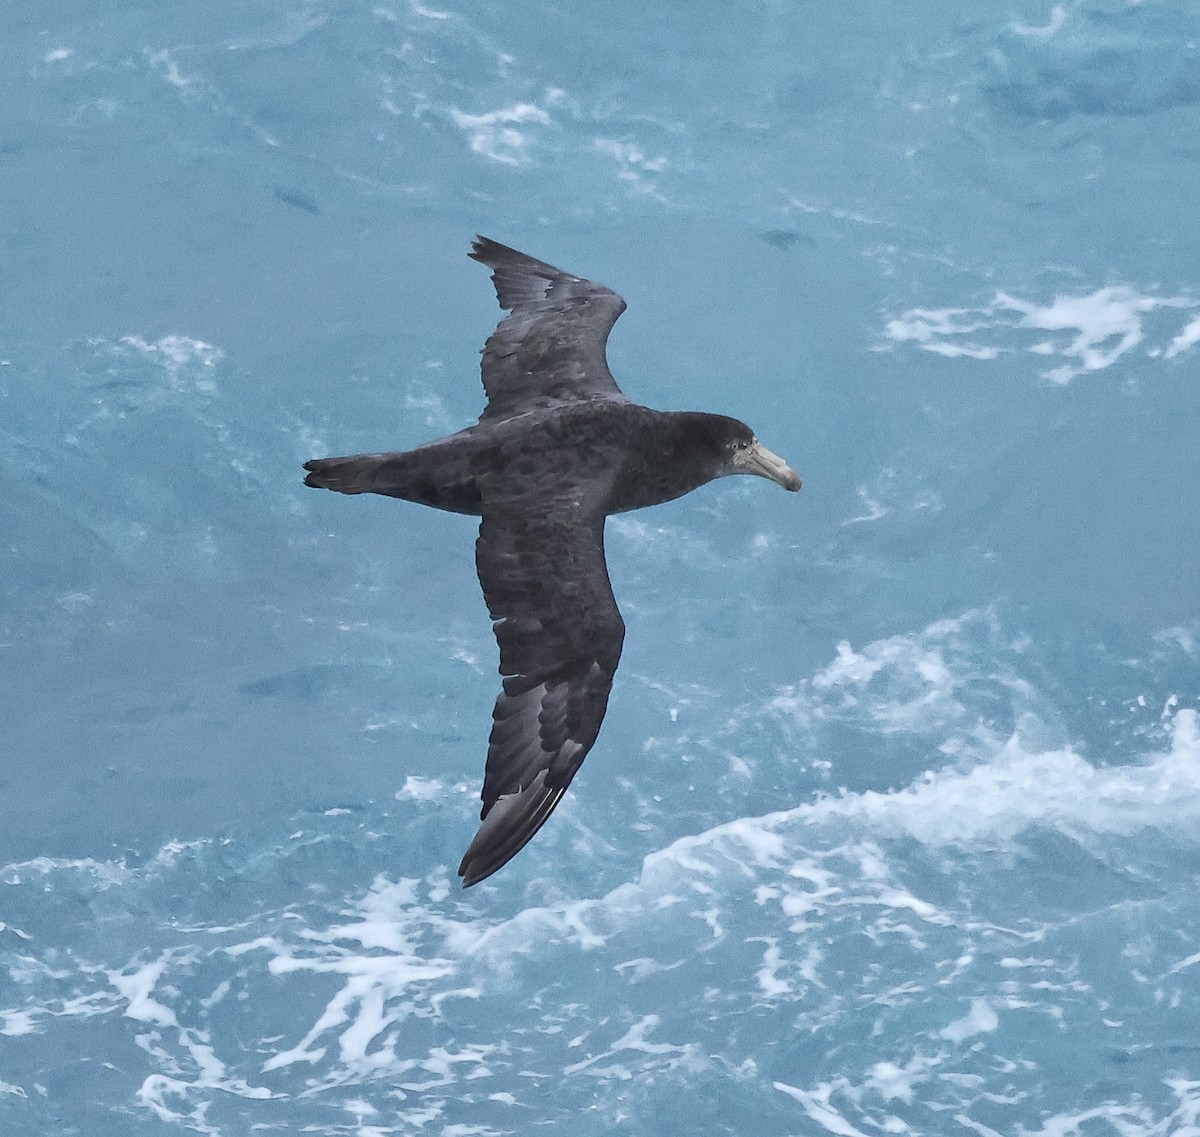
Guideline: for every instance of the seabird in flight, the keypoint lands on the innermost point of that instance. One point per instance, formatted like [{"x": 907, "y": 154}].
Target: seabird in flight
[{"x": 557, "y": 450}]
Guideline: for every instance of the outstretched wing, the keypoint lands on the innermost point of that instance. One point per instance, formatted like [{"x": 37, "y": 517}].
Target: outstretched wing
[
  {"x": 550, "y": 349},
  {"x": 560, "y": 635}
]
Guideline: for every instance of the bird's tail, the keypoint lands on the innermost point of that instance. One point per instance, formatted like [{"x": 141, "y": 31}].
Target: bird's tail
[
  {"x": 427, "y": 476},
  {"x": 359, "y": 473}
]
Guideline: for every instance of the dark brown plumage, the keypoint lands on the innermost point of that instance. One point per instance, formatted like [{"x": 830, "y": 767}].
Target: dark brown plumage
[{"x": 557, "y": 449}]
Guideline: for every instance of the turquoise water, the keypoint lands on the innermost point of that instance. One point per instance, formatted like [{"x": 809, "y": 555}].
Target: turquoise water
[{"x": 894, "y": 825}]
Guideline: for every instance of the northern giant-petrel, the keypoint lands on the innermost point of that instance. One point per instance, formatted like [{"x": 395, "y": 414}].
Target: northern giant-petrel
[{"x": 557, "y": 450}]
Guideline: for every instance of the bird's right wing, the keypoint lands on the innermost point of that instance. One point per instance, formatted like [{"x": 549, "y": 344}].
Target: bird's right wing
[
  {"x": 560, "y": 635},
  {"x": 550, "y": 349}
]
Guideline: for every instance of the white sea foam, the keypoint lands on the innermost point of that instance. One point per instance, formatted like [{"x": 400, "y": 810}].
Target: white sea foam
[
  {"x": 768, "y": 981},
  {"x": 805, "y": 205},
  {"x": 1189, "y": 337},
  {"x": 1018, "y": 789},
  {"x": 893, "y": 1082},
  {"x": 420, "y": 789},
  {"x": 1098, "y": 319},
  {"x": 136, "y": 988},
  {"x": 633, "y": 165},
  {"x": 873, "y": 509},
  {"x": 635, "y": 1039},
  {"x": 980, "y": 1019},
  {"x": 428, "y": 13},
  {"x": 816, "y": 1104},
  {"x": 1094, "y": 329},
  {"x": 1058, "y": 18},
  {"x": 1186, "y": 637},
  {"x": 102, "y": 874},
  {"x": 494, "y": 134},
  {"x": 358, "y": 1016},
  {"x": 187, "y": 365},
  {"x": 176, "y": 352},
  {"x": 13, "y": 1023},
  {"x": 1131, "y": 1118},
  {"x": 912, "y": 683},
  {"x": 164, "y": 64},
  {"x": 889, "y": 493},
  {"x": 630, "y": 154}
]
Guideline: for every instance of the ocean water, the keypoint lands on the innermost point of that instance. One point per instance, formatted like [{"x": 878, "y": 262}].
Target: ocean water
[{"x": 894, "y": 824}]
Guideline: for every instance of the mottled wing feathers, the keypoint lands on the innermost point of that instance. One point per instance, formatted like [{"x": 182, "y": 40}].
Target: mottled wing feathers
[
  {"x": 560, "y": 635},
  {"x": 550, "y": 348}
]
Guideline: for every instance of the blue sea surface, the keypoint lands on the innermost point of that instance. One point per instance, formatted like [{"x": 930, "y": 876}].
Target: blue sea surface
[{"x": 894, "y": 823}]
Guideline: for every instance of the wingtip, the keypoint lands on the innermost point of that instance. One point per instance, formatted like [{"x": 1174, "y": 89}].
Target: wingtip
[
  {"x": 469, "y": 869},
  {"x": 470, "y": 876},
  {"x": 482, "y": 247},
  {"x": 508, "y": 827}
]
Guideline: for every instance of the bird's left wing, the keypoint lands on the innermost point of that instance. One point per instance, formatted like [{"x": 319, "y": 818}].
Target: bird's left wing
[{"x": 560, "y": 635}]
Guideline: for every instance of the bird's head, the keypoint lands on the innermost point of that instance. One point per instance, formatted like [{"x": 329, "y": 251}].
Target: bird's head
[{"x": 731, "y": 448}]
